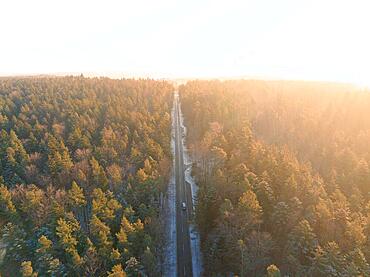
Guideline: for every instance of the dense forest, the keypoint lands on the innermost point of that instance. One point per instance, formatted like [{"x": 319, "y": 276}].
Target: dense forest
[
  {"x": 83, "y": 165},
  {"x": 283, "y": 170}
]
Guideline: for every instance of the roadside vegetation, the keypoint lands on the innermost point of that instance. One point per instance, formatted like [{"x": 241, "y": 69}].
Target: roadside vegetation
[{"x": 283, "y": 170}]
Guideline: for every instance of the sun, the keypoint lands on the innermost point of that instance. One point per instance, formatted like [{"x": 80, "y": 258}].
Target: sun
[{"x": 363, "y": 84}]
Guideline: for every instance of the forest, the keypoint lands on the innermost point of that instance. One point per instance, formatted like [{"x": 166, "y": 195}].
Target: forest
[
  {"x": 84, "y": 163},
  {"x": 282, "y": 169},
  {"x": 283, "y": 175}
]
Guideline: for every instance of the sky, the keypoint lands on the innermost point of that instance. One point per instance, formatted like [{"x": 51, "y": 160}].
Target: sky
[{"x": 268, "y": 39}]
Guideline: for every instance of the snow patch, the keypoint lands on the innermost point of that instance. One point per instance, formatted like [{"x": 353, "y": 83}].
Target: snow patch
[
  {"x": 170, "y": 266},
  {"x": 195, "y": 251},
  {"x": 194, "y": 235}
]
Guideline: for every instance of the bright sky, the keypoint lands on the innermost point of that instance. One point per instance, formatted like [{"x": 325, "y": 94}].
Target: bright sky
[{"x": 288, "y": 39}]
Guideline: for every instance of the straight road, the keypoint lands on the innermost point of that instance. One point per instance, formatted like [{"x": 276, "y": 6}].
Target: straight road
[{"x": 183, "y": 195}]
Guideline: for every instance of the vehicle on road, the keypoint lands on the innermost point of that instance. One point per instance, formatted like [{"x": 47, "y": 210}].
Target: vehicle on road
[{"x": 183, "y": 206}]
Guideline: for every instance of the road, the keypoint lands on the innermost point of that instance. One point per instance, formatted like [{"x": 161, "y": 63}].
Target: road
[{"x": 183, "y": 194}]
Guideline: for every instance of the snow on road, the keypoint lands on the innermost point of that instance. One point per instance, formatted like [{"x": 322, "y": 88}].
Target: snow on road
[
  {"x": 171, "y": 247},
  {"x": 194, "y": 235},
  {"x": 171, "y": 250}
]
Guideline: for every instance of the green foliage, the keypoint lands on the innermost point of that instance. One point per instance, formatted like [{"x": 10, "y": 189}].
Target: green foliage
[
  {"x": 14, "y": 158},
  {"x": 328, "y": 261},
  {"x": 117, "y": 271},
  {"x": 45, "y": 244},
  {"x": 27, "y": 270},
  {"x": 59, "y": 160},
  {"x": 99, "y": 178},
  {"x": 69, "y": 151},
  {"x": 47, "y": 264},
  {"x": 101, "y": 235},
  {"x": 104, "y": 205},
  {"x": 273, "y": 271},
  {"x": 76, "y": 196},
  {"x": 149, "y": 262},
  {"x": 301, "y": 246},
  {"x": 7, "y": 208},
  {"x": 14, "y": 238},
  {"x": 66, "y": 231},
  {"x": 283, "y": 168}
]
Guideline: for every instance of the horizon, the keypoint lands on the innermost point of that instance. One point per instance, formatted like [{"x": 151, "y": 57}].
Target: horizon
[
  {"x": 291, "y": 40},
  {"x": 119, "y": 76}
]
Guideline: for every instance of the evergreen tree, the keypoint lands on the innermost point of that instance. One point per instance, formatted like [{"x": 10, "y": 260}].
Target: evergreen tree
[
  {"x": 7, "y": 208},
  {"x": 76, "y": 196},
  {"x": 117, "y": 271},
  {"x": 104, "y": 205},
  {"x": 301, "y": 247},
  {"x": 27, "y": 270},
  {"x": 66, "y": 231},
  {"x": 101, "y": 236},
  {"x": 99, "y": 178},
  {"x": 328, "y": 261},
  {"x": 273, "y": 271}
]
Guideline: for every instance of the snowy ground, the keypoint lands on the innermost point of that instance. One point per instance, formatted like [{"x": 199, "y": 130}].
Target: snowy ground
[
  {"x": 194, "y": 235},
  {"x": 2, "y": 251},
  {"x": 171, "y": 250}
]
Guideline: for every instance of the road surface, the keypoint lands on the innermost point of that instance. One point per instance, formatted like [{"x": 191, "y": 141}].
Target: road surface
[{"x": 183, "y": 194}]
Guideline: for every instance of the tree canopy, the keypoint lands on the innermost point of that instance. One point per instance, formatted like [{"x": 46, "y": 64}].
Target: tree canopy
[
  {"x": 283, "y": 176},
  {"x": 74, "y": 152}
]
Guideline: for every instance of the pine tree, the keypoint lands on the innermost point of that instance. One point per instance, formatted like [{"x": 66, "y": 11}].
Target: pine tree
[
  {"x": 46, "y": 263},
  {"x": 101, "y": 236},
  {"x": 20, "y": 155},
  {"x": 59, "y": 159},
  {"x": 301, "y": 247},
  {"x": 77, "y": 140},
  {"x": 76, "y": 196},
  {"x": 104, "y": 205},
  {"x": 328, "y": 261},
  {"x": 15, "y": 239},
  {"x": 117, "y": 271},
  {"x": 132, "y": 266},
  {"x": 99, "y": 178},
  {"x": 249, "y": 211},
  {"x": 125, "y": 236},
  {"x": 149, "y": 262},
  {"x": 280, "y": 219},
  {"x": 92, "y": 263},
  {"x": 27, "y": 270},
  {"x": 45, "y": 244},
  {"x": 7, "y": 208},
  {"x": 14, "y": 158},
  {"x": 273, "y": 271},
  {"x": 141, "y": 176},
  {"x": 66, "y": 231},
  {"x": 357, "y": 264},
  {"x": 114, "y": 173},
  {"x": 115, "y": 255}
]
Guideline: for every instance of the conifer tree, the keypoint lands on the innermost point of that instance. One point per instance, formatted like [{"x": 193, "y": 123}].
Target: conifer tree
[
  {"x": 117, "y": 271},
  {"x": 76, "y": 196}
]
